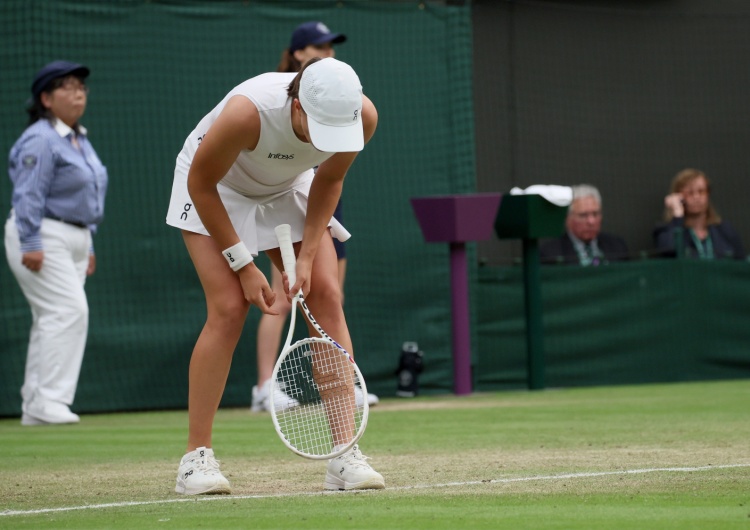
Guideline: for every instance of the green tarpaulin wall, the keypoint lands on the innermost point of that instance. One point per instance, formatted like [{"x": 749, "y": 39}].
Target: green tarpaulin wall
[
  {"x": 157, "y": 68},
  {"x": 636, "y": 322}
]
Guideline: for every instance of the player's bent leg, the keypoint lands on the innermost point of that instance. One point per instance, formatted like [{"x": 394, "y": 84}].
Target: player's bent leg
[
  {"x": 324, "y": 299},
  {"x": 351, "y": 471},
  {"x": 199, "y": 474},
  {"x": 212, "y": 355}
]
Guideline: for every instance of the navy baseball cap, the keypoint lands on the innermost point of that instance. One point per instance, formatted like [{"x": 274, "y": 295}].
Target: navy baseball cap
[
  {"x": 54, "y": 70},
  {"x": 313, "y": 33}
]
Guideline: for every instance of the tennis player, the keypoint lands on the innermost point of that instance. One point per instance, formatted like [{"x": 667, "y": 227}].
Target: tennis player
[{"x": 246, "y": 168}]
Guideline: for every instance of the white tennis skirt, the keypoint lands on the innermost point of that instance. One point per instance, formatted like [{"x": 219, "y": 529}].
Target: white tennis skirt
[{"x": 254, "y": 219}]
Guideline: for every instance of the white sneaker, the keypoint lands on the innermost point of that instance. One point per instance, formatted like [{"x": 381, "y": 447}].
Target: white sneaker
[
  {"x": 262, "y": 399},
  {"x": 27, "y": 420},
  {"x": 39, "y": 412},
  {"x": 372, "y": 399},
  {"x": 199, "y": 474},
  {"x": 351, "y": 471}
]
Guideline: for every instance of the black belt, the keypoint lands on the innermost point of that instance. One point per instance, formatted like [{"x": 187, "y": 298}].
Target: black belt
[{"x": 73, "y": 223}]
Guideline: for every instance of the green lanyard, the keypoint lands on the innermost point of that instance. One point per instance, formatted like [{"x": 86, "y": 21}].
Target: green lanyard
[{"x": 705, "y": 248}]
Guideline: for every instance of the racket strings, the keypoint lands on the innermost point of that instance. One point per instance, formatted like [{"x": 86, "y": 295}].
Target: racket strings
[{"x": 322, "y": 379}]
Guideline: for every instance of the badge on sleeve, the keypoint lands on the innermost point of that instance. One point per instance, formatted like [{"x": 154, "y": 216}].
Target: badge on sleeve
[{"x": 28, "y": 161}]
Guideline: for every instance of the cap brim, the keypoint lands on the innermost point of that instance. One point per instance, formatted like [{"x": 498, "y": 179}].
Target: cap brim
[
  {"x": 330, "y": 139},
  {"x": 333, "y": 38},
  {"x": 82, "y": 72}
]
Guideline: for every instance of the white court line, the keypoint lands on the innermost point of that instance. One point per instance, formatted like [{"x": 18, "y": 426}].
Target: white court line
[{"x": 399, "y": 488}]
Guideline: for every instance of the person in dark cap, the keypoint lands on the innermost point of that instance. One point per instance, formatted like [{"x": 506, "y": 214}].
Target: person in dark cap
[
  {"x": 59, "y": 186},
  {"x": 310, "y": 39}
]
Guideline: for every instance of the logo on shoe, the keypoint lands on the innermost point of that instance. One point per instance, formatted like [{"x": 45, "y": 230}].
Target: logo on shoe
[
  {"x": 342, "y": 471},
  {"x": 186, "y": 475}
]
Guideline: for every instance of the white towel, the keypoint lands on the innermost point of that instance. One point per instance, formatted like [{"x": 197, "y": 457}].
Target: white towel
[{"x": 559, "y": 195}]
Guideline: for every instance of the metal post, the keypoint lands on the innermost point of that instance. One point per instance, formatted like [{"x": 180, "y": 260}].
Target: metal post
[{"x": 460, "y": 321}]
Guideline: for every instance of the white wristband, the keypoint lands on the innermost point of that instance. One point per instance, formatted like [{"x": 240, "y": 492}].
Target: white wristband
[{"x": 238, "y": 256}]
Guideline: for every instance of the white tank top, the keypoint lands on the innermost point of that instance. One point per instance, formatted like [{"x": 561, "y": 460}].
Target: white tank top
[{"x": 280, "y": 161}]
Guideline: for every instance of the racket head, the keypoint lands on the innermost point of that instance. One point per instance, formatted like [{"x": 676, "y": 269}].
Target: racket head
[{"x": 320, "y": 377}]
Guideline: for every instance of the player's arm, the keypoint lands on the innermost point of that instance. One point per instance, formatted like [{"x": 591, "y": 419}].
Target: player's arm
[
  {"x": 325, "y": 192},
  {"x": 236, "y": 128}
]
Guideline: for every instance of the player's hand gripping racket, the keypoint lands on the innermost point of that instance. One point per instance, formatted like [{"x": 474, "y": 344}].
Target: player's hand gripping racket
[{"x": 320, "y": 375}]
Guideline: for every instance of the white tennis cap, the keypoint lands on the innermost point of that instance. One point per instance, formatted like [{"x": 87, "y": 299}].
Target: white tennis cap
[{"x": 331, "y": 96}]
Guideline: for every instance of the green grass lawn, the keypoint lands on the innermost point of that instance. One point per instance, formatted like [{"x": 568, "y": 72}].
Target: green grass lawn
[{"x": 652, "y": 456}]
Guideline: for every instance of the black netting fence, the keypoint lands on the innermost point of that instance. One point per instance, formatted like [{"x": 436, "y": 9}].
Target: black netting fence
[{"x": 156, "y": 69}]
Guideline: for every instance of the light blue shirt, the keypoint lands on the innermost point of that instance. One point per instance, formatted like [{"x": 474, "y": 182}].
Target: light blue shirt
[{"x": 51, "y": 178}]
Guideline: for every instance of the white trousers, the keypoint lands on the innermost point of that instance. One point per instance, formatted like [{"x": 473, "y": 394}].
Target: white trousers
[{"x": 59, "y": 309}]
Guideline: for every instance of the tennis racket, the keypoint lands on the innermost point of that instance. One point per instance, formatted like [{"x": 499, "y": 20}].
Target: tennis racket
[{"x": 313, "y": 402}]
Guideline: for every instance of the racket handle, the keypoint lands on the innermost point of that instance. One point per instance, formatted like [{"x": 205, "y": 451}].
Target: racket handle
[{"x": 284, "y": 235}]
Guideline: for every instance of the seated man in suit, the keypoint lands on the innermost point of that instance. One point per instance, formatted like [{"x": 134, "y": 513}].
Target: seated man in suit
[{"x": 584, "y": 243}]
